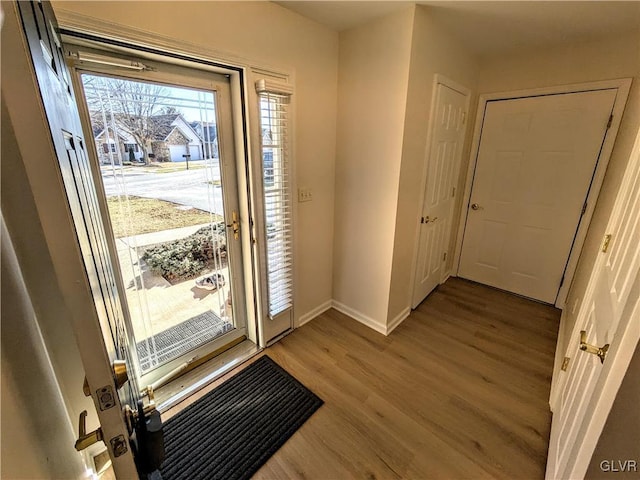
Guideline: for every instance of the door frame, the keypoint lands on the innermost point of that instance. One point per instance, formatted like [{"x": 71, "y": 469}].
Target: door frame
[
  {"x": 243, "y": 72},
  {"x": 447, "y": 82},
  {"x": 622, "y": 85}
]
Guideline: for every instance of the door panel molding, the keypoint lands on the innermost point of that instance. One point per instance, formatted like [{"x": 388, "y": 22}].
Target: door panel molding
[
  {"x": 622, "y": 86},
  {"x": 438, "y": 79}
]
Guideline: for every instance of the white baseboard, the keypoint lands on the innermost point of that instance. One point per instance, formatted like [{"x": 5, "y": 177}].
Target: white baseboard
[
  {"x": 398, "y": 320},
  {"x": 307, "y": 317},
  {"x": 360, "y": 317},
  {"x": 356, "y": 315}
]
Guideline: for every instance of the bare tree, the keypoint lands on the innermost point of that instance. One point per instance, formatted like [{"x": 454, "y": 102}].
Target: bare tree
[{"x": 127, "y": 105}]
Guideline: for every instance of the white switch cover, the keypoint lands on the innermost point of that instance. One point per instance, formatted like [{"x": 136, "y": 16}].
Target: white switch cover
[{"x": 305, "y": 195}]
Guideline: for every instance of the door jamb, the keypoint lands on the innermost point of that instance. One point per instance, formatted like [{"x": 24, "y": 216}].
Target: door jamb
[
  {"x": 447, "y": 82},
  {"x": 622, "y": 85}
]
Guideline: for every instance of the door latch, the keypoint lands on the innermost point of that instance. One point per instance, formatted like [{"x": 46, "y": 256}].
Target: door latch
[
  {"x": 601, "y": 352},
  {"x": 235, "y": 225}
]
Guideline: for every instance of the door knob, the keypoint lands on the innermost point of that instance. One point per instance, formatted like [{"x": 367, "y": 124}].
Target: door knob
[
  {"x": 86, "y": 439},
  {"x": 427, "y": 219},
  {"x": 601, "y": 352},
  {"x": 475, "y": 206}
]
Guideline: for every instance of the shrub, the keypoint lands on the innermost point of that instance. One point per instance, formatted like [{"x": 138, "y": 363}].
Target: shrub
[{"x": 188, "y": 257}]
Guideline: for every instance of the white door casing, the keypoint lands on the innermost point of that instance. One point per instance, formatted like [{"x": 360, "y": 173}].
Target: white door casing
[
  {"x": 610, "y": 314},
  {"x": 444, "y": 152},
  {"x": 535, "y": 165}
]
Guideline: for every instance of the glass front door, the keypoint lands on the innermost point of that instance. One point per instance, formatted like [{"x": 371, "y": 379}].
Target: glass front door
[{"x": 164, "y": 143}]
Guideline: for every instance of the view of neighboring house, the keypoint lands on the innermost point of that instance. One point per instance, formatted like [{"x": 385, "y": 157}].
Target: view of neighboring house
[
  {"x": 208, "y": 132},
  {"x": 171, "y": 139}
]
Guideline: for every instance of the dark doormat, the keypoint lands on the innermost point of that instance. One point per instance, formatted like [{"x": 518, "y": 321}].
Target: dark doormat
[{"x": 234, "y": 429}]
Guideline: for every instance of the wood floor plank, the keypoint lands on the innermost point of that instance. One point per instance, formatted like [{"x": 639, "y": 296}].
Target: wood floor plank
[{"x": 459, "y": 390}]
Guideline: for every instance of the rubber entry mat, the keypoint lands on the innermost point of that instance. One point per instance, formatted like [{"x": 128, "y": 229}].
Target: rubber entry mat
[{"x": 233, "y": 430}]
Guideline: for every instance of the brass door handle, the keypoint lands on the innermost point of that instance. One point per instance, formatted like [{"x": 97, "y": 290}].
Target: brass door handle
[
  {"x": 86, "y": 439},
  {"x": 475, "y": 206},
  {"x": 427, "y": 219},
  {"x": 601, "y": 352}
]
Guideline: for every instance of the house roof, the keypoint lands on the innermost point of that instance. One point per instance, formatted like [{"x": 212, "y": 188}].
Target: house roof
[
  {"x": 161, "y": 125},
  {"x": 207, "y": 131}
]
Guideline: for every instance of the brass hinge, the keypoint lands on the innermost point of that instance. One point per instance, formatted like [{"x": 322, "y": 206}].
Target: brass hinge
[
  {"x": 453, "y": 192},
  {"x": 605, "y": 243},
  {"x": 444, "y": 257},
  {"x": 584, "y": 209},
  {"x": 561, "y": 280},
  {"x": 610, "y": 121},
  {"x": 565, "y": 364}
]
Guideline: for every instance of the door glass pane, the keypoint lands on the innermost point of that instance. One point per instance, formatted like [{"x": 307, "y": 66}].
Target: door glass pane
[{"x": 157, "y": 147}]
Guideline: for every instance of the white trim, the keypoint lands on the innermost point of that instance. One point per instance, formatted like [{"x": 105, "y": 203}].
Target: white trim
[
  {"x": 623, "y": 86},
  {"x": 558, "y": 376},
  {"x": 319, "y": 310},
  {"x": 360, "y": 317},
  {"x": 437, "y": 79},
  {"x": 401, "y": 317}
]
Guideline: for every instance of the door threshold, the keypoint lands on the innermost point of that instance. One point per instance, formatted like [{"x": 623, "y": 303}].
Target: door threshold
[{"x": 188, "y": 384}]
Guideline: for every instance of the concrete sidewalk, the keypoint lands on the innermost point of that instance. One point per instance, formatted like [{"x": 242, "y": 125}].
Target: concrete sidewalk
[{"x": 154, "y": 303}]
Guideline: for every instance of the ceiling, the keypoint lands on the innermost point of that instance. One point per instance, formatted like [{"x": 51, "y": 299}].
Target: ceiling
[{"x": 489, "y": 27}]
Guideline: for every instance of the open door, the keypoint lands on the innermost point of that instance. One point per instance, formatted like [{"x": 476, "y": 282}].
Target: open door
[
  {"x": 446, "y": 140},
  {"x": 38, "y": 86},
  {"x": 604, "y": 337}
]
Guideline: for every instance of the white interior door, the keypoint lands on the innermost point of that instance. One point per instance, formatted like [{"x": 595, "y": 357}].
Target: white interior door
[
  {"x": 535, "y": 164},
  {"x": 610, "y": 315},
  {"x": 443, "y": 166}
]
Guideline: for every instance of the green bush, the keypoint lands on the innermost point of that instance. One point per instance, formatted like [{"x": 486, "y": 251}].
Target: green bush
[{"x": 190, "y": 256}]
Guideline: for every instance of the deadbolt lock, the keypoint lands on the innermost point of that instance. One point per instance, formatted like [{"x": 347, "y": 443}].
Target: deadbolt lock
[
  {"x": 601, "y": 352},
  {"x": 120, "y": 374}
]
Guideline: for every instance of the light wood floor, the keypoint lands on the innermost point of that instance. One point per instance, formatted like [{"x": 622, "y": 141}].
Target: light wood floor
[{"x": 459, "y": 390}]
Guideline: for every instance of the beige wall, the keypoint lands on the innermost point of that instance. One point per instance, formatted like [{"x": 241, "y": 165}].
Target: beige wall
[
  {"x": 21, "y": 217},
  {"x": 37, "y": 436},
  {"x": 372, "y": 94},
  {"x": 266, "y": 33},
  {"x": 433, "y": 51},
  {"x": 576, "y": 63}
]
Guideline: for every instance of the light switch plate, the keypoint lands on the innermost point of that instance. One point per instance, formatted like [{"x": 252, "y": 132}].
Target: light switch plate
[{"x": 305, "y": 195}]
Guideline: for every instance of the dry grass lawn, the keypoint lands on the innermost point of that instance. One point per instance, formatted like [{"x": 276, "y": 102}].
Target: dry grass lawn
[{"x": 145, "y": 215}]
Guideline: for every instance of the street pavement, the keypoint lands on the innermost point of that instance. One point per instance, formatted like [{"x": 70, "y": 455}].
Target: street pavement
[{"x": 191, "y": 188}]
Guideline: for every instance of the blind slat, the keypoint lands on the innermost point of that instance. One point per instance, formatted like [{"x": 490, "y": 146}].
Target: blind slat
[{"x": 277, "y": 198}]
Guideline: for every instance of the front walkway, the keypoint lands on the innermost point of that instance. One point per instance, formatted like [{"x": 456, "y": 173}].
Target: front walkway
[{"x": 154, "y": 303}]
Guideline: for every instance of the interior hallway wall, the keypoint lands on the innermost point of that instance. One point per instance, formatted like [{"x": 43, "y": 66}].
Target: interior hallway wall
[
  {"x": 271, "y": 35},
  {"x": 20, "y": 214},
  {"x": 372, "y": 98},
  {"x": 37, "y": 436},
  {"x": 433, "y": 51},
  {"x": 600, "y": 59}
]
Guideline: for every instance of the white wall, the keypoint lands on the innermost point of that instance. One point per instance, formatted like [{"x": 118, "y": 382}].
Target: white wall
[
  {"x": 434, "y": 51},
  {"x": 601, "y": 59},
  {"x": 372, "y": 94},
  {"x": 37, "y": 436},
  {"x": 266, "y": 33}
]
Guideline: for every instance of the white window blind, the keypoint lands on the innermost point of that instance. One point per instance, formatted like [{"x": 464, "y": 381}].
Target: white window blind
[{"x": 276, "y": 181}]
